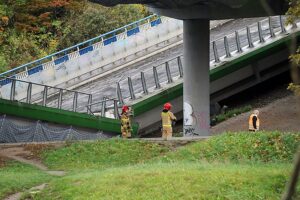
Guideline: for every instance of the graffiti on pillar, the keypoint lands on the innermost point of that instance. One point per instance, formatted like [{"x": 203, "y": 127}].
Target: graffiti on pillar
[
  {"x": 188, "y": 114},
  {"x": 188, "y": 119},
  {"x": 189, "y": 131}
]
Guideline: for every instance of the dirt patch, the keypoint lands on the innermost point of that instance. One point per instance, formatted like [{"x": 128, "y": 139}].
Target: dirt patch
[
  {"x": 281, "y": 115},
  {"x": 29, "y": 154},
  {"x": 3, "y": 161},
  {"x": 36, "y": 150},
  {"x": 30, "y": 193}
]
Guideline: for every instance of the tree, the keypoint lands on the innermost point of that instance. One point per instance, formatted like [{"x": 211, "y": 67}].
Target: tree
[{"x": 294, "y": 14}]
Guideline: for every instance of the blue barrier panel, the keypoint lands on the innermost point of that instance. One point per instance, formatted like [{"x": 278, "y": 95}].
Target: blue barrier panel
[
  {"x": 110, "y": 40},
  {"x": 85, "y": 50},
  {"x": 6, "y": 81},
  {"x": 61, "y": 60},
  {"x": 92, "y": 41},
  {"x": 156, "y": 22},
  {"x": 35, "y": 70},
  {"x": 133, "y": 31}
]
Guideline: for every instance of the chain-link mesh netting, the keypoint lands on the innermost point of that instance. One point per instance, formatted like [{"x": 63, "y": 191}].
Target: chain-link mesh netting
[{"x": 41, "y": 132}]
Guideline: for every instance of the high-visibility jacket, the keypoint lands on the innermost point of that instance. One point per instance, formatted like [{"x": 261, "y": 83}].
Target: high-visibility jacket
[
  {"x": 125, "y": 122},
  {"x": 253, "y": 122},
  {"x": 167, "y": 118}
]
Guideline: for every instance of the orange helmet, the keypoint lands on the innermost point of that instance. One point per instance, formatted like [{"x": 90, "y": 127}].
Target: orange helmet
[
  {"x": 167, "y": 106},
  {"x": 125, "y": 108}
]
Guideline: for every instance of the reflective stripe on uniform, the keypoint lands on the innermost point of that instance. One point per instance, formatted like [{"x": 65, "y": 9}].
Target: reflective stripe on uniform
[{"x": 251, "y": 126}]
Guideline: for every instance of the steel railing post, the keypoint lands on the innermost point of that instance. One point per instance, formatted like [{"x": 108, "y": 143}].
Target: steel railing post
[
  {"x": 89, "y": 107},
  {"x": 169, "y": 76},
  {"x": 260, "y": 34},
  {"x": 103, "y": 107},
  {"x": 283, "y": 30},
  {"x": 119, "y": 94},
  {"x": 45, "y": 94},
  {"x": 249, "y": 37},
  {"x": 13, "y": 90},
  {"x": 29, "y": 92},
  {"x": 180, "y": 67},
  {"x": 116, "y": 110},
  {"x": 130, "y": 86},
  {"x": 226, "y": 45},
  {"x": 238, "y": 42},
  {"x": 156, "y": 80},
  {"x": 59, "y": 102},
  {"x": 272, "y": 34},
  {"x": 144, "y": 85},
  {"x": 215, "y": 50},
  {"x": 75, "y": 99}
]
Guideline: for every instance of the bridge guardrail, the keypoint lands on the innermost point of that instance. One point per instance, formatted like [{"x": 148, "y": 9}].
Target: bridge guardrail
[
  {"x": 79, "y": 49},
  {"x": 256, "y": 34}
]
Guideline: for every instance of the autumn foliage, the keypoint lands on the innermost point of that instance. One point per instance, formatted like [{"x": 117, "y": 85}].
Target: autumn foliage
[{"x": 31, "y": 29}]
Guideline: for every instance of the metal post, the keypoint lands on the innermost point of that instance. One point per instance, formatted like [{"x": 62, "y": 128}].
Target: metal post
[
  {"x": 169, "y": 76},
  {"x": 89, "y": 107},
  {"x": 13, "y": 90},
  {"x": 130, "y": 86},
  {"x": 271, "y": 27},
  {"x": 156, "y": 80},
  {"x": 238, "y": 42},
  {"x": 260, "y": 35},
  {"x": 283, "y": 30},
  {"x": 59, "y": 102},
  {"x": 144, "y": 83},
  {"x": 75, "y": 98},
  {"x": 180, "y": 67},
  {"x": 215, "y": 50},
  {"x": 45, "y": 94},
  {"x": 29, "y": 92},
  {"x": 116, "y": 111},
  {"x": 196, "y": 77},
  {"x": 103, "y": 107},
  {"x": 249, "y": 37},
  {"x": 228, "y": 55},
  {"x": 119, "y": 94}
]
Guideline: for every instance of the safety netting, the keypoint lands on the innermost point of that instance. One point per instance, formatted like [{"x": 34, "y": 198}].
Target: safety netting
[{"x": 38, "y": 131}]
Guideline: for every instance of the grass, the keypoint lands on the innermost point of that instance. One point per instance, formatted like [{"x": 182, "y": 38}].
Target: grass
[
  {"x": 16, "y": 177},
  {"x": 183, "y": 180},
  {"x": 230, "y": 113},
  {"x": 241, "y": 148},
  {"x": 102, "y": 154},
  {"x": 229, "y": 166}
]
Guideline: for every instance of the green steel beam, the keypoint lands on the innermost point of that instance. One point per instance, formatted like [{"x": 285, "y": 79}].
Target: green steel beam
[{"x": 37, "y": 112}]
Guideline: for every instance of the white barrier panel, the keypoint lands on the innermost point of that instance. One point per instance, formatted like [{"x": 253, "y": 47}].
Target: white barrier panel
[{"x": 103, "y": 56}]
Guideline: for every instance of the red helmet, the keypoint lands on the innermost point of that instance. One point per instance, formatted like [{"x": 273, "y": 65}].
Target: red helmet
[
  {"x": 167, "y": 106},
  {"x": 125, "y": 108}
]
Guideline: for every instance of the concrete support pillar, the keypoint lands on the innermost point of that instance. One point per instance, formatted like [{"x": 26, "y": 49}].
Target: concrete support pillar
[{"x": 196, "y": 77}]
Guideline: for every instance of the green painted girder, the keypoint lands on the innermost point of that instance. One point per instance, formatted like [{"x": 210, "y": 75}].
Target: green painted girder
[{"x": 54, "y": 115}]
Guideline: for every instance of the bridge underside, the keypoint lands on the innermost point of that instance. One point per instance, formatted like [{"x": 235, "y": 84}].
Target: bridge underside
[
  {"x": 213, "y": 9},
  {"x": 196, "y": 15}
]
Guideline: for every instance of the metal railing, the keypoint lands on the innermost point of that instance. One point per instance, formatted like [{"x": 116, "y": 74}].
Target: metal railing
[
  {"x": 104, "y": 107},
  {"x": 83, "y": 47},
  {"x": 221, "y": 49},
  {"x": 55, "y": 93}
]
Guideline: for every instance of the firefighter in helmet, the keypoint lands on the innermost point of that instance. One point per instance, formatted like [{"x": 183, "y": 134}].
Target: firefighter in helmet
[
  {"x": 125, "y": 122},
  {"x": 167, "y": 117},
  {"x": 254, "y": 121}
]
